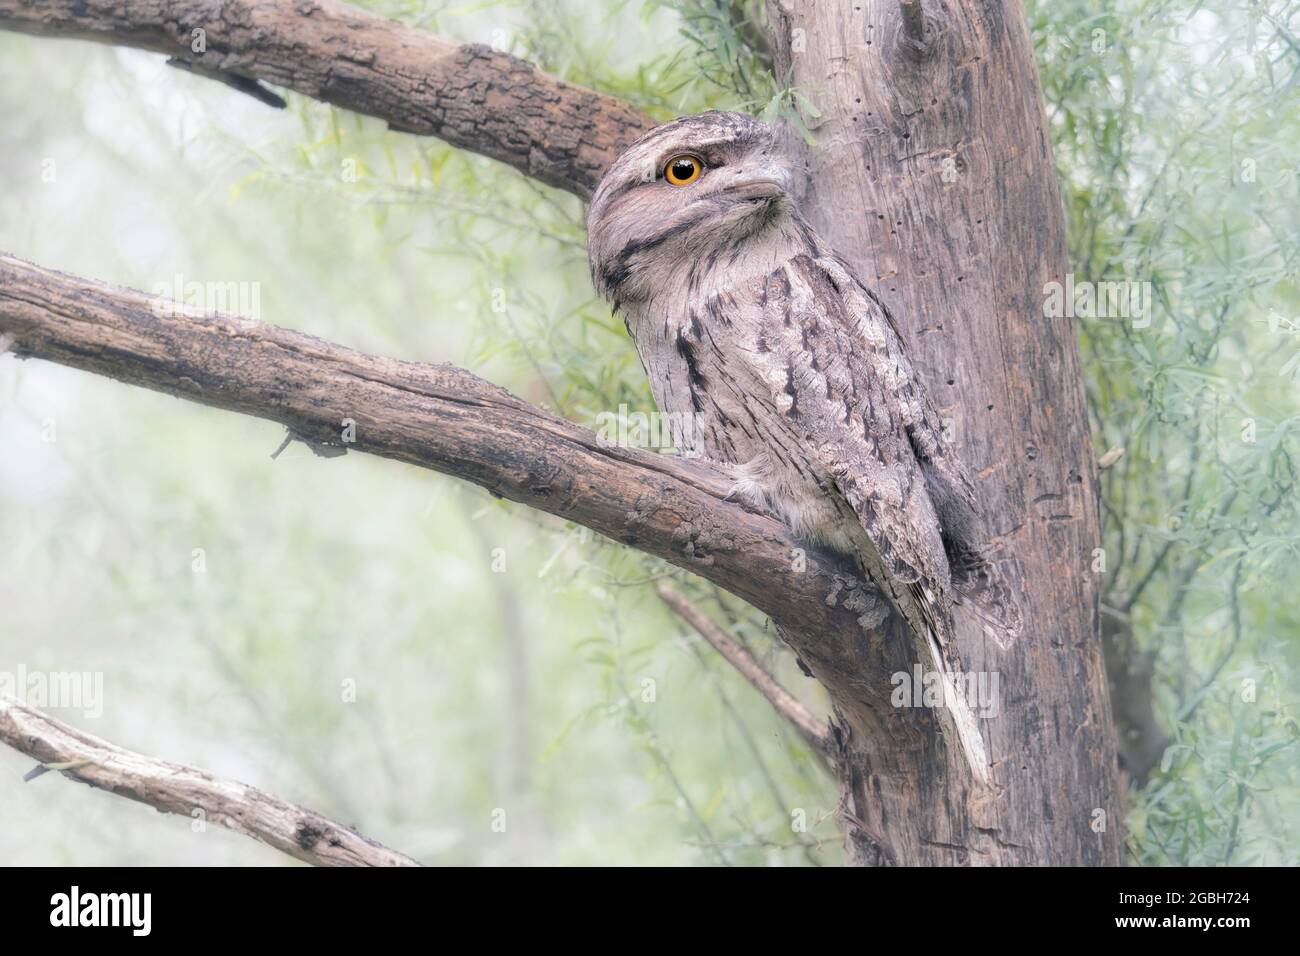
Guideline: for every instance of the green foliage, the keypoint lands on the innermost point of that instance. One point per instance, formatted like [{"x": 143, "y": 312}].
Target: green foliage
[{"x": 1176, "y": 134}]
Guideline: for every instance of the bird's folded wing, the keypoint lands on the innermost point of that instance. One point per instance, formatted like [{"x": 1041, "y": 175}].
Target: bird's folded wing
[
  {"x": 882, "y": 345},
  {"x": 831, "y": 404}
]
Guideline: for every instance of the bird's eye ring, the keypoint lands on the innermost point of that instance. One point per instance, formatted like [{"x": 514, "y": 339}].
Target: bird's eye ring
[{"x": 683, "y": 170}]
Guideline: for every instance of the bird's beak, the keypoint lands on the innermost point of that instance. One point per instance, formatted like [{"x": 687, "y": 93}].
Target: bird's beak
[{"x": 767, "y": 181}]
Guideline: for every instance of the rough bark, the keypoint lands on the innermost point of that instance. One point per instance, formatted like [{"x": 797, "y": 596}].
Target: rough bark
[
  {"x": 175, "y": 788},
  {"x": 470, "y": 95},
  {"x": 932, "y": 173}
]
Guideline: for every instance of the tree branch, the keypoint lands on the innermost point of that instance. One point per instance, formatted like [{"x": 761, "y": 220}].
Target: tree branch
[
  {"x": 813, "y": 730},
  {"x": 444, "y": 418},
  {"x": 469, "y": 95},
  {"x": 175, "y": 788}
]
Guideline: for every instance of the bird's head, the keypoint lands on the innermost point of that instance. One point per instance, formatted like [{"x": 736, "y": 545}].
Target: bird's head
[{"x": 688, "y": 188}]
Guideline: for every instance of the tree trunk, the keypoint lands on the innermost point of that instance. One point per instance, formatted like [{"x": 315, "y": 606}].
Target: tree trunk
[{"x": 932, "y": 173}]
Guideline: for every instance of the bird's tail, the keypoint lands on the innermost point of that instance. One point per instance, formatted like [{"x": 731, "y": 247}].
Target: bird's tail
[
  {"x": 930, "y": 624},
  {"x": 954, "y": 713}
]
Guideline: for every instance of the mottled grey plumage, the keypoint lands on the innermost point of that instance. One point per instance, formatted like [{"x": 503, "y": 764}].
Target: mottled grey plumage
[{"x": 797, "y": 378}]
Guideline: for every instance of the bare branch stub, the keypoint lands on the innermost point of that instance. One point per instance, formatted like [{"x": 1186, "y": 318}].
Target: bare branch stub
[{"x": 240, "y": 84}]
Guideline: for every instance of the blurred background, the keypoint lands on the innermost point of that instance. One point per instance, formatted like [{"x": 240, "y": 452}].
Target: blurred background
[{"x": 404, "y": 653}]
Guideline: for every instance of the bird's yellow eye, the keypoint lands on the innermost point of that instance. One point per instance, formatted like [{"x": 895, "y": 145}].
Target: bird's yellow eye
[{"x": 683, "y": 170}]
